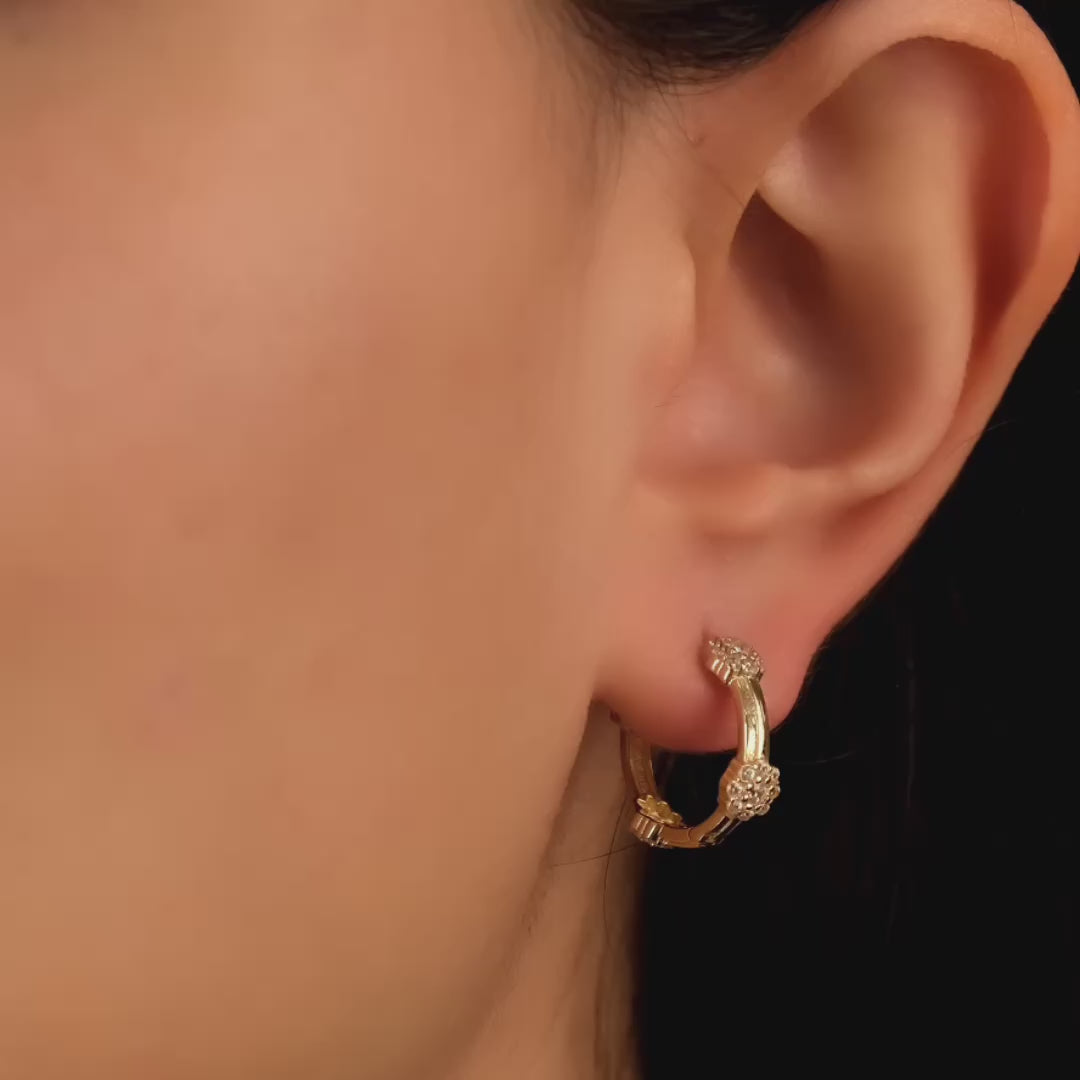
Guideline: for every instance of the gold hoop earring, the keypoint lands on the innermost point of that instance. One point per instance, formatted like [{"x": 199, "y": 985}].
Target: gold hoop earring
[{"x": 749, "y": 785}]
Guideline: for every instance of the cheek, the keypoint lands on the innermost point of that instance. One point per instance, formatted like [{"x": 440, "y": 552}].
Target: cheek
[{"x": 295, "y": 543}]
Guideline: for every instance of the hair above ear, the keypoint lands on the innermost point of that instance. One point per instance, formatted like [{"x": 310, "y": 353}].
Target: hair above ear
[
  {"x": 672, "y": 36},
  {"x": 905, "y": 217}
]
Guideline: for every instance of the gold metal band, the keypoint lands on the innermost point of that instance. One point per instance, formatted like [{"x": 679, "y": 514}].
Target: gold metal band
[{"x": 749, "y": 785}]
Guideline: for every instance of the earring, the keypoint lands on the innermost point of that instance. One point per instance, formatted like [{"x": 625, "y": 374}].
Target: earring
[{"x": 749, "y": 785}]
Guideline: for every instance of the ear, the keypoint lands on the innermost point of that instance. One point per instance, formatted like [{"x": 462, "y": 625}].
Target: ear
[{"x": 879, "y": 217}]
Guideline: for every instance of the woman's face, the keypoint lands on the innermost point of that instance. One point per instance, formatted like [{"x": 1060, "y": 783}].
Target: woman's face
[
  {"x": 355, "y": 357},
  {"x": 307, "y": 466}
]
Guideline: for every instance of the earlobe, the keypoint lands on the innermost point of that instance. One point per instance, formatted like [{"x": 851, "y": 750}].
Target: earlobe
[{"x": 900, "y": 242}]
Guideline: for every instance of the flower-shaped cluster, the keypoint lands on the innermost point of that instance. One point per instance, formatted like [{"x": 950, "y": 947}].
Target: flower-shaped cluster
[
  {"x": 659, "y": 811},
  {"x": 748, "y": 789},
  {"x": 728, "y": 658}
]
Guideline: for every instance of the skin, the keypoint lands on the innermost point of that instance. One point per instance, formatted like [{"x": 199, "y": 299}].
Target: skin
[{"x": 373, "y": 401}]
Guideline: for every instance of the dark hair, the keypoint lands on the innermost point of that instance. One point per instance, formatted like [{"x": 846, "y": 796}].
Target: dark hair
[
  {"x": 916, "y": 877},
  {"x": 679, "y": 39}
]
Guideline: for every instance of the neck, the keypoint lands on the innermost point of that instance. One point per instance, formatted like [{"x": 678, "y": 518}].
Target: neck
[{"x": 564, "y": 1010}]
